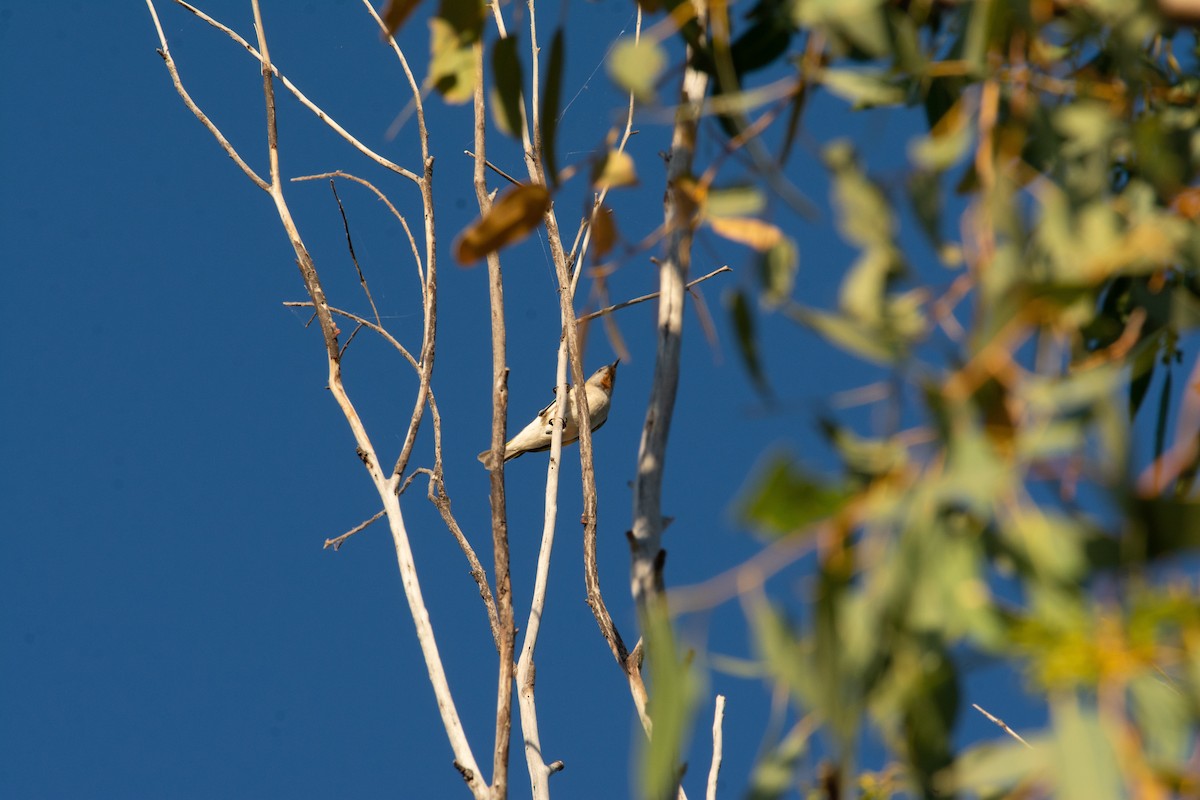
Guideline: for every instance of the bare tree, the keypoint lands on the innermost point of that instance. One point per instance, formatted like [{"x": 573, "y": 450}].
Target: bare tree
[{"x": 533, "y": 205}]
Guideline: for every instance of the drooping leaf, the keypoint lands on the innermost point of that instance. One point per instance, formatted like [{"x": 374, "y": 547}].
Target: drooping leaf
[
  {"x": 506, "y": 69},
  {"x": 760, "y": 45},
  {"x": 604, "y": 232},
  {"x": 551, "y": 101},
  {"x": 512, "y": 217},
  {"x": 395, "y": 12},
  {"x": 743, "y": 324},
  {"x": 777, "y": 269}
]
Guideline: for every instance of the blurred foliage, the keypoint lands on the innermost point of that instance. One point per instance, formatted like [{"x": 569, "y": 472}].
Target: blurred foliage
[{"x": 1031, "y": 500}]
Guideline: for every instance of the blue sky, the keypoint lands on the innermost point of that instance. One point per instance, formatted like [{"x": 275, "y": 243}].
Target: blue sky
[{"x": 173, "y": 462}]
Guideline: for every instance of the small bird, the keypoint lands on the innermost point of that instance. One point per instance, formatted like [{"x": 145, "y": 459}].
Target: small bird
[{"x": 536, "y": 436}]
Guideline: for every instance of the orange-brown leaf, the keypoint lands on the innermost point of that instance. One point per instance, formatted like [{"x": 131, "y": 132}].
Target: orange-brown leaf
[
  {"x": 395, "y": 12},
  {"x": 604, "y": 232},
  {"x": 512, "y": 217}
]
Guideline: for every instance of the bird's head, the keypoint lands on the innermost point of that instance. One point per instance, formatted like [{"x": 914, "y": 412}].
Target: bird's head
[{"x": 605, "y": 377}]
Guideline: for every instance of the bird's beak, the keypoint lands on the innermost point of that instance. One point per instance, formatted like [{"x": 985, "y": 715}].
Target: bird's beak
[{"x": 614, "y": 364}]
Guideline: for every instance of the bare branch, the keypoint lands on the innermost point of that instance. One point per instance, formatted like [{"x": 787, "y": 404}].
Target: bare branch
[
  {"x": 412, "y": 242},
  {"x": 310, "y": 105},
  {"x": 1003, "y": 727},
  {"x": 350, "y": 245},
  {"x": 337, "y": 542},
  {"x": 165, "y": 52},
  {"x": 645, "y": 297},
  {"x": 496, "y": 169},
  {"x": 715, "y": 769},
  {"x": 385, "y": 486},
  {"x": 679, "y": 223},
  {"x": 504, "y": 608}
]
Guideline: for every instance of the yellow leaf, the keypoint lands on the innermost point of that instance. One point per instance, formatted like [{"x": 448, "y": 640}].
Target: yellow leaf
[
  {"x": 755, "y": 233},
  {"x": 616, "y": 170},
  {"x": 451, "y": 59},
  {"x": 511, "y": 218}
]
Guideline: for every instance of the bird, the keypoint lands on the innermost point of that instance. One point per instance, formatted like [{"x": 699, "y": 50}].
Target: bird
[{"x": 535, "y": 437}]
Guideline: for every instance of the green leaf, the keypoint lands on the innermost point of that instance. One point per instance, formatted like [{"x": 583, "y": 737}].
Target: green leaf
[
  {"x": 1164, "y": 718},
  {"x": 925, "y": 195},
  {"x": 863, "y": 457},
  {"x": 743, "y": 324},
  {"x": 865, "y": 89},
  {"x": 860, "y": 23},
  {"x": 744, "y": 200},
  {"x": 784, "y": 656},
  {"x": 850, "y": 335},
  {"x": 1048, "y": 545},
  {"x": 929, "y": 714},
  {"x": 863, "y": 292},
  {"x": 777, "y": 269},
  {"x": 1084, "y": 753},
  {"x": 774, "y": 774},
  {"x": 783, "y": 499},
  {"x": 941, "y": 152},
  {"x": 673, "y": 696},
  {"x": 864, "y": 214},
  {"x": 760, "y": 45},
  {"x": 989, "y": 770},
  {"x": 506, "y": 69},
  {"x": 551, "y": 99},
  {"x": 636, "y": 65}
]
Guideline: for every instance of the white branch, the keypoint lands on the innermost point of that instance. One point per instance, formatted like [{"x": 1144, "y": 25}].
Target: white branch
[{"x": 715, "y": 769}]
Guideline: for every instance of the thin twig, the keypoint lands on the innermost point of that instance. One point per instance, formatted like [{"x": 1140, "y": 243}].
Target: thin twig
[
  {"x": 165, "y": 52},
  {"x": 337, "y": 541},
  {"x": 412, "y": 242},
  {"x": 1003, "y": 727},
  {"x": 366, "y": 323},
  {"x": 715, "y": 769},
  {"x": 645, "y": 297},
  {"x": 310, "y": 105},
  {"x": 496, "y": 169},
  {"x": 497, "y": 496},
  {"x": 350, "y": 246},
  {"x": 385, "y": 486}
]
